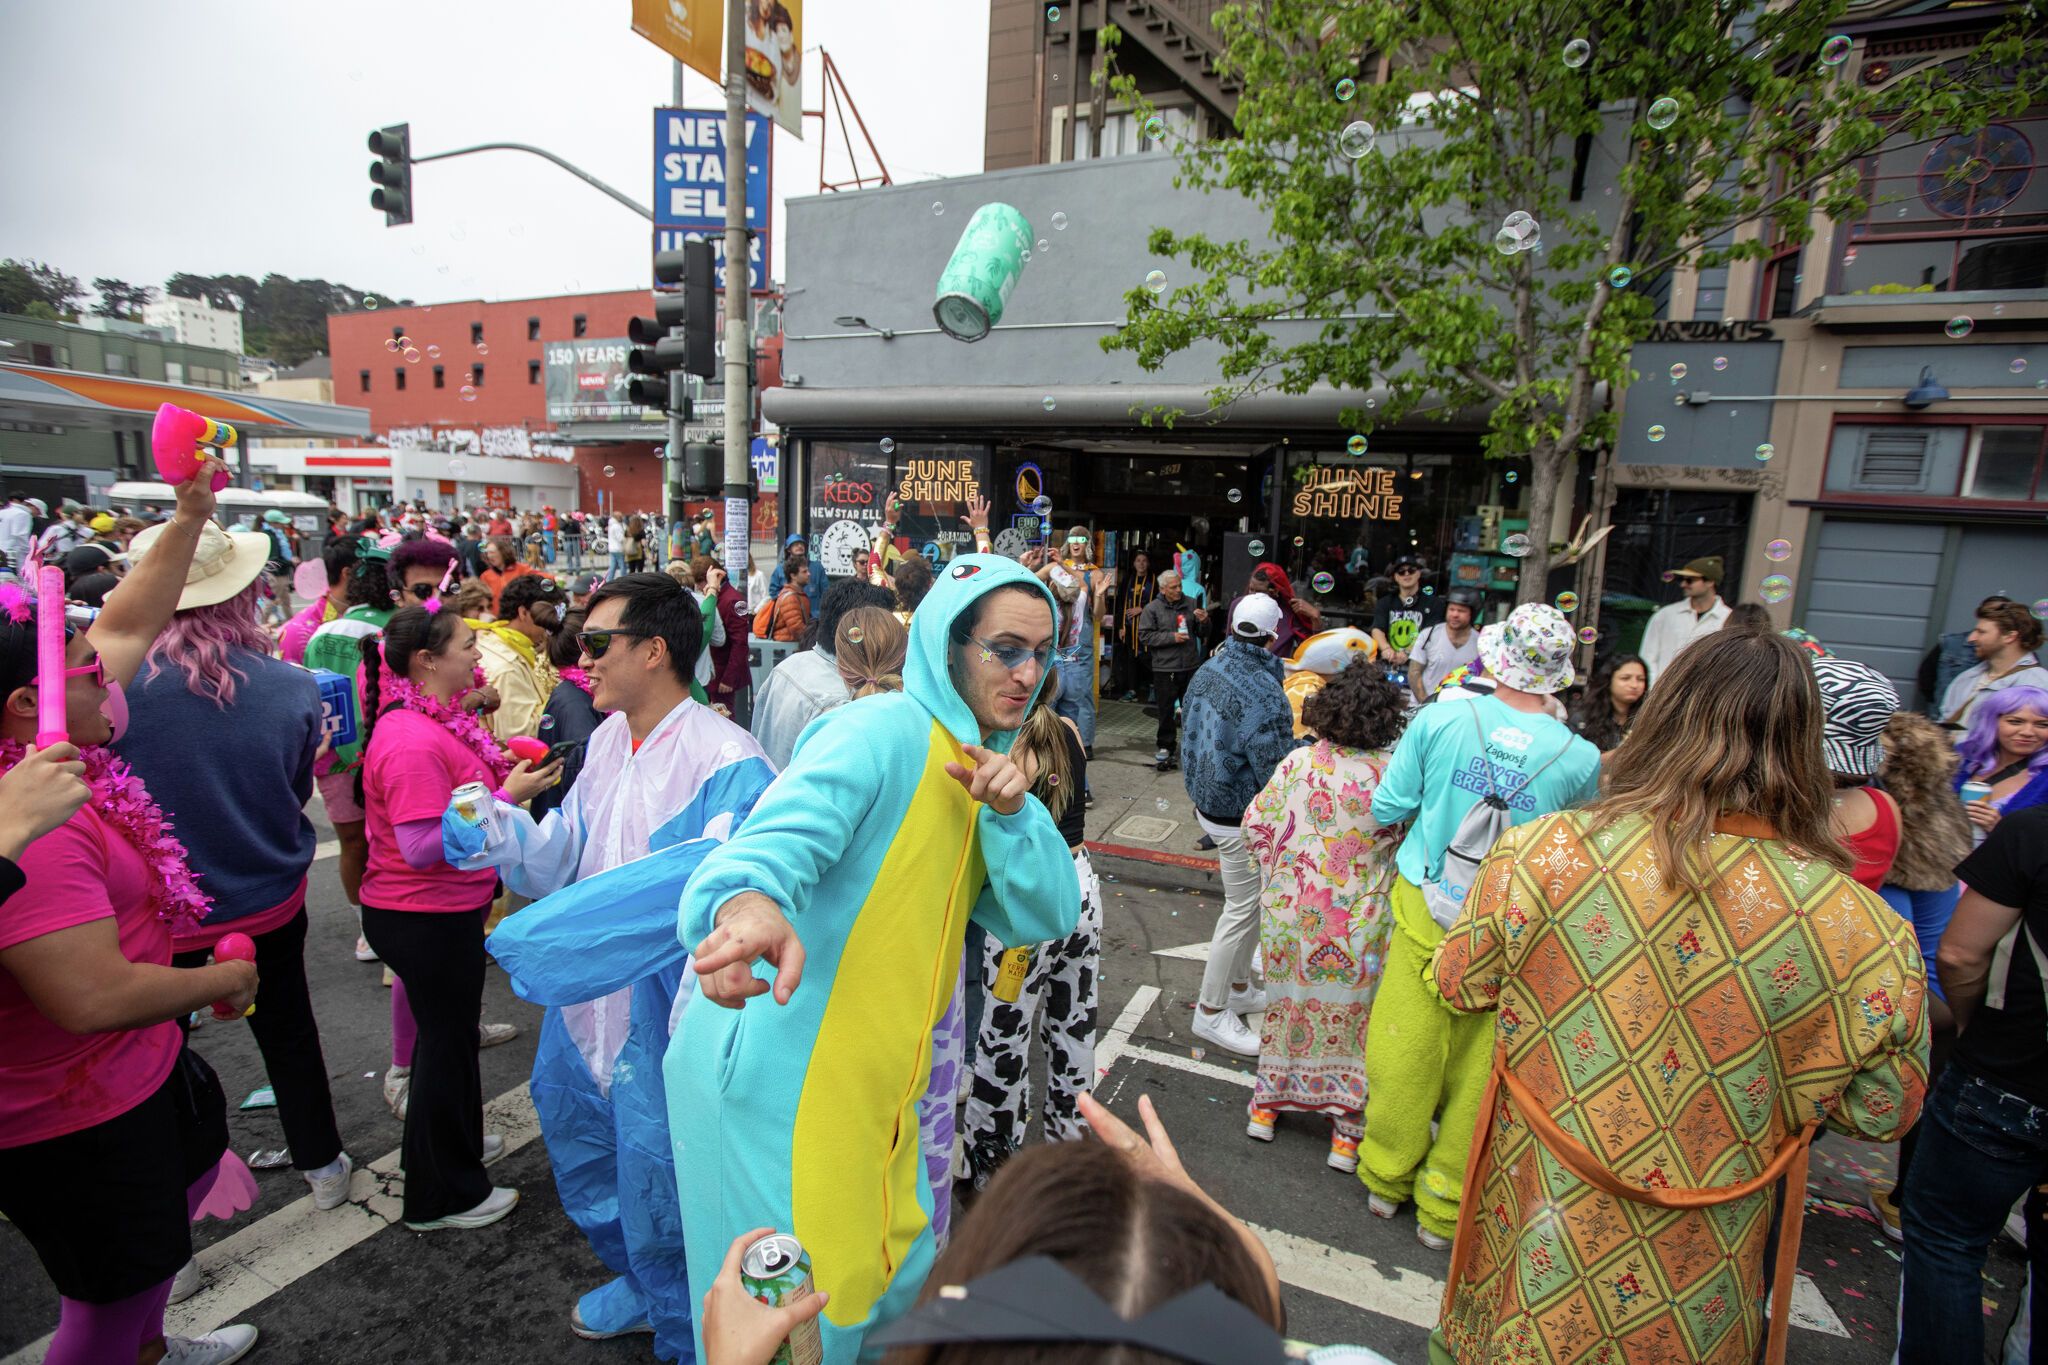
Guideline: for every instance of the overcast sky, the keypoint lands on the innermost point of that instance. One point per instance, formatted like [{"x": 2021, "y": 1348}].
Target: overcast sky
[{"x": 144, "y": 138}]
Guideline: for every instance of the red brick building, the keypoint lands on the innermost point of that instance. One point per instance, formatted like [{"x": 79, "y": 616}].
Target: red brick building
[{"x": 482, "y": 367}]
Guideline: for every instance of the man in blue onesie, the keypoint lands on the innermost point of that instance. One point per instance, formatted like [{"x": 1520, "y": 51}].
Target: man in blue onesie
[{"x": 899, "y": 818}]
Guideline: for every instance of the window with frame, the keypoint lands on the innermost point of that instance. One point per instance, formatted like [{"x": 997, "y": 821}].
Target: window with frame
[
  {"x": 1965, "y": 210},
  {"x": 1937, "y": 461},
  {"x": 476, "y": 334},
  {"x": 533, "y": 329},
  {"x": 363, "y": 381},
  {"x": 581, "y": 325},
  {"x": 440, "y": 377},
  {"x": 533, "y": 372},
  {"x": 398, "y": 379},
  {"x": 476, "y": 375}
]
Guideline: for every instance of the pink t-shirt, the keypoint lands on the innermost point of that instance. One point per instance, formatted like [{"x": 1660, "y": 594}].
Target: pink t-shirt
[
  {"x": 291, "y": 646},
  {"x": 53, "y": 1082},
  {"x": 413, "y": 767}
]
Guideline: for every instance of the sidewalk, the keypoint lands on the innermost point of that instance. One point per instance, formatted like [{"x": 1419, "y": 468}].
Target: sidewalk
[{"x": 1143, "y": 825}]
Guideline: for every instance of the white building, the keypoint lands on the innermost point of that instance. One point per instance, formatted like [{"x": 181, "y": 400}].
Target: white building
[
  {"x": 196, "y": 323},
  {"x": 359, "y": 478}
]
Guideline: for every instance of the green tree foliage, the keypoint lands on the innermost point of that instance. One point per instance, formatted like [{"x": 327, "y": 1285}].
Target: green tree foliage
[
  {"x": 1384, "y": 239},
  {"x": 26, "y": 283},
  {"x": 120, "y": 299},
  {"x": 282, "y": 318}
]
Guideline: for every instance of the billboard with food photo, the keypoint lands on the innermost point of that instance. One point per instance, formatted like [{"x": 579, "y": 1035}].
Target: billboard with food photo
[{"x": 774, "y": 61}]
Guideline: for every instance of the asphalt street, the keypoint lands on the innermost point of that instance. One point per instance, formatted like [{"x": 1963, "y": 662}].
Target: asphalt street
[{"x": 353, "y": 1286}]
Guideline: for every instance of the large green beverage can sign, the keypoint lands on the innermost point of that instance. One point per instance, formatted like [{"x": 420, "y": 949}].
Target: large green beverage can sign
[{"x": 985, "y": 268}]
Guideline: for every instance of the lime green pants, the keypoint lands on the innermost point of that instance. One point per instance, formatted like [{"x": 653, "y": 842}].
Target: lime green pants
[{"x": 1423, "y": 1061}]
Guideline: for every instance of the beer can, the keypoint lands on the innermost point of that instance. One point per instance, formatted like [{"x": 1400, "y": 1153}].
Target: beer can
[
  {"x": 475, "y": 806},
  {"x": 986, "y": 265},
  {"x": 1011, "y": 969},
  {"x": 776, "y": 1271}
]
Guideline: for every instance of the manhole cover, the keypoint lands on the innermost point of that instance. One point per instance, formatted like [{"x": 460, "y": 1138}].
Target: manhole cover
[{"x": 1146, "y": 829}]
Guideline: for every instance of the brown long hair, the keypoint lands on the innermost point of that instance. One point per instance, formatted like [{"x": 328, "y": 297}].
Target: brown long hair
[
  {"x": 1733, "y": 726},
  {"x": 1042, "y": 736},
  {"x": 1137, "y": 1242},
  {"x": 870, "y": 645}
]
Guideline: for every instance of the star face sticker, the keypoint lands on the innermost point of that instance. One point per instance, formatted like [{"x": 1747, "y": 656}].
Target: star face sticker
[{"x": 987, "y": 655}]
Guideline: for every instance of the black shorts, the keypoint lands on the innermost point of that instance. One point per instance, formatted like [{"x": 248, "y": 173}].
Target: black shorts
[{"x": 105, "y": 1207}]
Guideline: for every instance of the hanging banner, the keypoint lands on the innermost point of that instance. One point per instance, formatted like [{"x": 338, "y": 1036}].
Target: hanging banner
[
  {"x": 691, "y": 31},
  {"x": 775, "y": 61}
]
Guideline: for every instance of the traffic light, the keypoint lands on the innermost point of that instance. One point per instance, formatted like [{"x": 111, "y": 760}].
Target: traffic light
[
  {"x": 392, "y": 173},
  {"x": 693, "y": 309}
]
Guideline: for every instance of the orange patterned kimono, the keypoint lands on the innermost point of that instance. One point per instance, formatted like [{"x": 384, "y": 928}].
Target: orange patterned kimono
[{"x": 1673, "y": 1046}]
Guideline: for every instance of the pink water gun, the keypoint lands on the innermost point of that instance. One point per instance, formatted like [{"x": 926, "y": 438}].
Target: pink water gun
[
  {"x": 175, "y": 438},
  {"x": 527, "y": 749},
  {"x": 233, "y": 948},
  {"x": 50, "y": 723}
]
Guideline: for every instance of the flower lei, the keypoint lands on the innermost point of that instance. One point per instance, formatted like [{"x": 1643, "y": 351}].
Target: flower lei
[
  {"x": 119, "y": 798},
  {"x": 578, "y": 676},
  {"x": 463, "y": 725}
]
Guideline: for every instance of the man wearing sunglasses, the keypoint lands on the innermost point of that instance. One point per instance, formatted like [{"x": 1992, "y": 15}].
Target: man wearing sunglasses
[
  {"x": 1694, "y": 616},
  {"x": 899, "y": 818},
  {"x": 663, "y": 780},
  {"x": 514, "y": 649}
]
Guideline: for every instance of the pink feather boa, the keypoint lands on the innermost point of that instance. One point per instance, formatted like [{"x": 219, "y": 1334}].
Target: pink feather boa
[
  {"x": 120, "y": 799},
  {"x": 455, "y": 720}
]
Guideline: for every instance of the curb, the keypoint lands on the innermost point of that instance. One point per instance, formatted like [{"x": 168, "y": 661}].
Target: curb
[{"x": 1155, "y": 867}]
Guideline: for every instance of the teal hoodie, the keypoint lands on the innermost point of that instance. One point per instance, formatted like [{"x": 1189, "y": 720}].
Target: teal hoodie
[{"x": 803, "y": 1116}]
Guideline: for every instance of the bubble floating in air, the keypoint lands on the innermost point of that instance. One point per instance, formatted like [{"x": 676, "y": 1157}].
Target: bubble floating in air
[
  {"x": 1059, "y": 222},
  {"x": 1835, "y": 50},
  {"x": 1155, "y": 280},
  {"x": 1577, "y": 52},
  {"x": 1960, "y": 326},
  {"x": 1677, "y": 370},
  {"x": 1620, "y": 276},
  {"x": 1346, "y": 88},
  {"x": 1720, "y": 362},
  {"x": 1775, "y": 588},
  {"x": 888, "y": 444},
  {"x": 1567, "y": 602},
  {"x": 610, "y": 471},
  {"x": 1517, "y": 545},
  {"x": 1587, "y": 635},
  {"x": 1324, "y": 581},
  {"x": 1778, "y": 551},
  {"x": 1048, "y": 402},
  {"x": 1356, "y": 445},
  {"x": 467, "y": 393},
  {"x": 1765, "y": 451},
  {"x": 458, "y": 468},
  {"x": 1235, "y": 495},
  {"x": 1356, "y": 139},
  {"x": 1656, "y": 433},
  {"x": 1255, "y": 548},
  {"x": 1663, "y": 112}
]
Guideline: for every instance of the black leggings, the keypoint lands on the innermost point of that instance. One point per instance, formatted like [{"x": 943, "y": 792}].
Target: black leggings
[
  {"x": 440, "y": 958},
  {"x": 289, "y": 1039}
]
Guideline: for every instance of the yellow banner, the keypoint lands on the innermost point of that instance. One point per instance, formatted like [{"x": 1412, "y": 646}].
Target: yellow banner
[
  {"x": 691, "y": 31},
  {"x": 775, "y": 61}
]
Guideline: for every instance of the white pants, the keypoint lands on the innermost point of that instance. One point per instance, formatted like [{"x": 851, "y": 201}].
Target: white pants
[{"x": 1237, "y": 928}]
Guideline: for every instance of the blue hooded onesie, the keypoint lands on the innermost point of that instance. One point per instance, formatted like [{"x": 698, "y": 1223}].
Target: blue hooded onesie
[{"x": 804, "y": 1116}]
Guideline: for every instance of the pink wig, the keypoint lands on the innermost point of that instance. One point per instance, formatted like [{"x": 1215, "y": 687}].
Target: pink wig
[{"x": 203, "y": 642}]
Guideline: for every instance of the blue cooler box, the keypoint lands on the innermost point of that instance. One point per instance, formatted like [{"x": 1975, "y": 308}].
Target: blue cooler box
[{"x": 337, "y": 707}]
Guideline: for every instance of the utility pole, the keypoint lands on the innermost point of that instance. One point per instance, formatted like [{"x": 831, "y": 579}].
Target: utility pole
[
  {"x": 738, "y": 344},
  {"x": 678, "y": 393}
]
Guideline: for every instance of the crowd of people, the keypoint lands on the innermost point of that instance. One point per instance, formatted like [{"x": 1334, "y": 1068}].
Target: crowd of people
[{"x": 1524, "y": 945}]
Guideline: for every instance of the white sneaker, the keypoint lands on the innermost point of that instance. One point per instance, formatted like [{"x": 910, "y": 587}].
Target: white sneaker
[
  {"x": 1251, "y": 1000},
  {"x": 499, "y": 1202},
  {"x": 218, "y": 1347},
  {"x": 397, "y": 1090},
  {"x": 187, "y": 1281},
  {"x": 364, "y": 952},
  {"x": 494, "y": 1148},
  {"x": 1431, "y": 1240},
  {"x": 330, "y": 1183},
  {"x": 1226, "y": 1030},
  {"x": 1381, "y": 1206},
  {"x": 490, "y": 1035}
]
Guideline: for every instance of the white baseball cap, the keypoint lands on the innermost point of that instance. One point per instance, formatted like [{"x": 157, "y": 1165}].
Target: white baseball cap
[{"x": 1255, "y": 617}]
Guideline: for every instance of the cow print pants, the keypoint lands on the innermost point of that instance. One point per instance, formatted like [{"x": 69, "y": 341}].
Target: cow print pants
[{"x": 1057, "y": 1002}]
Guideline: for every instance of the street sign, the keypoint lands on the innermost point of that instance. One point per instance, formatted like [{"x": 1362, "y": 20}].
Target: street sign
[{"x": 689, "y": 186}]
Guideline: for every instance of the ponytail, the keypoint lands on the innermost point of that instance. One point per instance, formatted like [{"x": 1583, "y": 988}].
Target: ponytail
[
  {"x": 1043, "y": 736},
  {"x": 870, "y": 646},
  {"x": 372, "y": 647}
]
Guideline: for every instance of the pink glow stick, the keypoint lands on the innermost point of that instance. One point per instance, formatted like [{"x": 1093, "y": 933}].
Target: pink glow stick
[{"x": 50, "y": 726}]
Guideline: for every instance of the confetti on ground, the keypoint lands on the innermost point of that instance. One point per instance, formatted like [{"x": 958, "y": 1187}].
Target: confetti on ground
[
  {"x": 1853, "y": 1293},
  {"x": 1831, "y": 1262}
]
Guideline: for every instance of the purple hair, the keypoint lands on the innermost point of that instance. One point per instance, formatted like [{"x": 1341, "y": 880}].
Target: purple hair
[
  {"x": 203, "y": 642},
  {"x": 427, "y": 550},
  {"x": 1980, "y": 745}
]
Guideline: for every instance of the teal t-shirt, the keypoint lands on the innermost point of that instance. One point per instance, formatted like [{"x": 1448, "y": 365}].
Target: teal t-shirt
[{"x": 1443, "y": 763}]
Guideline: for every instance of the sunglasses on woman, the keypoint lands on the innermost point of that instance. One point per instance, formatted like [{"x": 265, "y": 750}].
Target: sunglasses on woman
[
  {"x": 421, "y": 591},
  {"x": 596, "y": 642}
]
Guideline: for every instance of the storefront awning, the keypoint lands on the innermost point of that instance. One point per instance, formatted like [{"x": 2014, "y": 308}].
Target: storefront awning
[
  {"x": 1113, "y": 406},
  {"x": 99, "y": 402}
]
